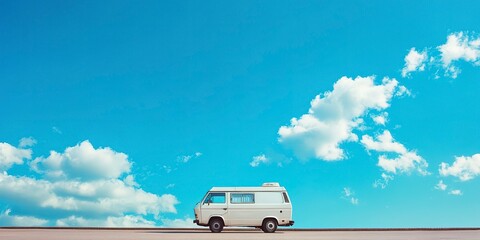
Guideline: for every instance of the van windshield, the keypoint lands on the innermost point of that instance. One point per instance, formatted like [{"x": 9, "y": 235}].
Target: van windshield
[{"x": 215, "y": 198}]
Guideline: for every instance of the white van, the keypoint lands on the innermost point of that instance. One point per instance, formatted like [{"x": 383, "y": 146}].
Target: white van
[{"x": 264, "y": 207}]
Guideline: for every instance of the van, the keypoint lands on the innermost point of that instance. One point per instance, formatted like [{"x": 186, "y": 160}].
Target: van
[{"x": 265, "y": 207}]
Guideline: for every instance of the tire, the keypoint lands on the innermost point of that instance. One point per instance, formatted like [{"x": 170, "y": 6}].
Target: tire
[
  {"x": 269, "y": 225},
  {"x": 216, "y": 225}
]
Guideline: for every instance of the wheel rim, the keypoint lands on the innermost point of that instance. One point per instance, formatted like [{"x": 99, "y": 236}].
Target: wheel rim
[
  {"x": 216, "y": 225},
  {"x": 270, "y": 225}
]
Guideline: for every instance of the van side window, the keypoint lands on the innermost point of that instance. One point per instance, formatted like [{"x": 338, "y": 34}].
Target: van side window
[
  {"x": 215, "y": 198},
  {"x": 285, "y": 197},
  {"x": 242, "y": 198}
]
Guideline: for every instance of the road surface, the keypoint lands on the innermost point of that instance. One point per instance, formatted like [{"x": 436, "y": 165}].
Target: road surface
[{"x": 204, "y": 234}]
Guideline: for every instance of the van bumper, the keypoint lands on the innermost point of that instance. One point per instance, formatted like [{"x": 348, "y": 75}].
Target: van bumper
[
  {"x": 199, "y": 224},
  {"x": 290, "y": 223}
]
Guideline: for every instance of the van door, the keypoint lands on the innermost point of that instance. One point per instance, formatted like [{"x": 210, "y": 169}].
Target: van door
[
  {"x": 242, "y": 210},
  {"x": 214, "y": 204}
]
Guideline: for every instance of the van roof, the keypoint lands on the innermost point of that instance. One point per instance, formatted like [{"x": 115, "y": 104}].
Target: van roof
[{"x": 247, "y": 189}]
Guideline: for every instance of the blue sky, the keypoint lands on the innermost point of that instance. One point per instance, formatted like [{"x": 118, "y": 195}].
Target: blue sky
[{"x": 124, "y": 114}]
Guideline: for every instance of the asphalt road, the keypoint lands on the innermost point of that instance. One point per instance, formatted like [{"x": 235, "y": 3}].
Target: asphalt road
[{"x": 184, "y": 234}]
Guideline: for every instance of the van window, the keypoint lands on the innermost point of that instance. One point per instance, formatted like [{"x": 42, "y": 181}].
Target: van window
[
  {"x": 215, "y": 198},
  {"x": 285, "y": 197},
  {"x": 242, "y": 198}
]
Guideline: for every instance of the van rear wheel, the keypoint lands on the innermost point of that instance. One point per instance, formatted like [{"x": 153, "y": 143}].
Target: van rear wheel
[
  {"x": 216, "y": 225},
  {"x": 269, "y": 225}
]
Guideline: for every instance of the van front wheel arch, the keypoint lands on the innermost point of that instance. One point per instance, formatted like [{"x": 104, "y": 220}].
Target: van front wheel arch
[
  {"x": 216, "y": 225},
  {"x": 269, "y": 225}
]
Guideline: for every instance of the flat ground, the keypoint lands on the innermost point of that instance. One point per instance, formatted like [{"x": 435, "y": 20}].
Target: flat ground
[{"x": 231, "y": 234}]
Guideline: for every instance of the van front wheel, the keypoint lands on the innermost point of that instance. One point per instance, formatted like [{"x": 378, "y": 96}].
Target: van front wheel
[
  {"x": 269, "y": 225},
  {"x": 216, "y": 225}
]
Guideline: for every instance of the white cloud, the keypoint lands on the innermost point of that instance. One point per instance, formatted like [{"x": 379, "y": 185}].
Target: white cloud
[
  {"x": 10, "y": 155},
  {"x": 384, "y": 143},
  {"x": 167, "y": 169},
  {"x": 465, "y": 168},
  {"x": 27, "y": 142},
  {"x": 383, "y": 182},
  {"x": 179, "y": 223},
  {"x": 441, "y": 186},
  {"x": 187, "y": 158},
  {"x": 123, "y": 221},
  {"x": 75, "y": 198},
  {"x": 130, "y": 181},
  {"x": 414, "y": 61},
  {"x": 56, "y": 130},
  {"x": 184, "y": 159},
  {"x": 15, "y": 220},
  {"x": 83, "y": 162},
  {"x": 347, "y": 192},
  {"x": 405, "y": 161},
  {"x": 350, "y": 196},
  {"x": 333, "y": 115},
  {"x": 256, "y": 160},
  {"x": 460, "y": 46},
  {"x": 171, "y": 185},
  {"x": 403, "y": 91},
  {"x": 380, "y": 119},
  {"x": 99, "y": 197},
  {"x": 455, "y": 192}
]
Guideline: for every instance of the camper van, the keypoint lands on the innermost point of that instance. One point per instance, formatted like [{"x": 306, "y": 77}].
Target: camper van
[{"x": 265, "y": 207}]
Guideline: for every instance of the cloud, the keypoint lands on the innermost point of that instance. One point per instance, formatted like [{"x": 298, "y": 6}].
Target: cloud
[
  {"x": 350, "y": 196},
  {"x": 383, "y": 182},
  {"x": 405, "y": 161},
  {"x": 56, "y": 130},
  {"x": 460, "y": 46},
  {"x": 83, "y": 162},
  {"x": 347, "y": 192},
  {"x": 167, "y": 169},
  {"x": 414, "y": 61},
  {"x": 130, "y": 181},
  {"x": 380, "y": 119},
  {"x": 259, "y": 159},
  {"x": 455, "y": 192},
  {"x": 7, "y": 220},
  {"x": 92, "y": 198},
  {"x": 123, "y": 221},
  {"x": 87, "y": 195},
  {"x": 183, "y": 159},
  {"x": 384, "y": 143},
  {"x": 441, "y": 186},
  {"x": 402, "y": 91},
  {"x": 334, "y": 115},
  {"x": 27, "y": 142},
  {"x": 187, "y": 158},
  {"x": 464, "y": 168},
  {"x": 179, "y": 223},
  {"x": 10, "y": 155}
]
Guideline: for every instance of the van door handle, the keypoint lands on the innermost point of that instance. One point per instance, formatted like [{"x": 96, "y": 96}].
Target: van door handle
[{"x": 224, "y": 208}]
